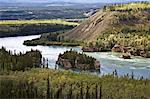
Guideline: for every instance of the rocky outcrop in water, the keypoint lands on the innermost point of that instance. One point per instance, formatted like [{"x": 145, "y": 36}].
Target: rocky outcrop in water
[
  {"x": 91, "y": 49},
  {"x": 74, "y": 60},
  {"x": 128, "y": 51},
  {"x": 117, "y": 48},
  {"x": 126, "y": 56}
]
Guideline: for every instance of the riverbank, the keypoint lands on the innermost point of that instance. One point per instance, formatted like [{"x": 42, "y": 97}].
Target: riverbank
[
  {"x": 127, "y": 52},
  {"x": 44, "y": 42},
  {"x": 52, "y": 39},
  {"x": 109, "y": 60}
]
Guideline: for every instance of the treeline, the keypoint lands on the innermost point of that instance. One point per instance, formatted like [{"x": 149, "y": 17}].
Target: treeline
[
  {"x": 136, "y": 6},
  {"x": 52, "y": 39},
  {"x": 31, "y": 29},
  {"x": 57, "y": 84},
  {"x": 21, "y": 61}
]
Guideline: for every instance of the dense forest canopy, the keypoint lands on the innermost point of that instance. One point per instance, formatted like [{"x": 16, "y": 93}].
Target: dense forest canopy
[
  {"x": 56, "y": 84},
  {"x": 21, "y": 61},
  {"x": 33, "y": 27}
]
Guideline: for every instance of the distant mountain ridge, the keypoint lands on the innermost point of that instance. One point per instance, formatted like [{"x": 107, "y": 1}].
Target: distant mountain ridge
[
  {"x": 75, "y": 1},
  {"x": 59, "y": 4}
]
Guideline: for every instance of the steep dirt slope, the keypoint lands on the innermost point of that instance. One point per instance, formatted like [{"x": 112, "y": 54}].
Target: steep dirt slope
[
  {"x": 121, "y": 18},
  {"x": 91, "y": 28}
]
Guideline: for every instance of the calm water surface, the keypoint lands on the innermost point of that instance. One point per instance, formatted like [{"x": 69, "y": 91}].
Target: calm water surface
[{"x": 109, "y": 61}]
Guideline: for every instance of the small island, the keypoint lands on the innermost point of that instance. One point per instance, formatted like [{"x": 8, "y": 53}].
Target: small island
[{"x": 74, "y": 60}]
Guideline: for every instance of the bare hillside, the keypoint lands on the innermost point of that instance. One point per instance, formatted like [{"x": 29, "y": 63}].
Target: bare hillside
[{"x": 91, "y": 28}]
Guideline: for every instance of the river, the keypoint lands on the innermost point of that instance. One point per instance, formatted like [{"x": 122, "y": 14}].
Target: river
[{"x": 109, "y": 60}]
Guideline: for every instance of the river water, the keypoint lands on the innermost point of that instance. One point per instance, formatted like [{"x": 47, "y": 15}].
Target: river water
[{"x": 109, "y": 60}]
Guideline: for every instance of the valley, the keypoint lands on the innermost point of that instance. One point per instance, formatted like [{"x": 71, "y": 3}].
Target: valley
[
  {"x": 125, "y": 27},
  {"x": 70, "y": 50}
]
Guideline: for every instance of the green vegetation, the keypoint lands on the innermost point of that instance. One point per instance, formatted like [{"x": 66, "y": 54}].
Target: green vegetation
[
  {"x": 18, "y": 81},
  {"x": 52, "y": 39},
  {"x": 56, "y": 84},
  {"x": 36, "y": 42},
  {"x": 128, "y": 7},
  {"x": 20, "y": 22},
  {"x": 33, "y": 27},
  {"x": 126, "y": 25},
  {"x": 130, "y": 29},
  {"x": 20, "y": 61},
  {"x": 74, "y": 60}
]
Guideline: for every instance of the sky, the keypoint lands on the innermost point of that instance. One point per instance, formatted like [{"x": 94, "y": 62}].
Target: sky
[{"x": 77, "y": 1}]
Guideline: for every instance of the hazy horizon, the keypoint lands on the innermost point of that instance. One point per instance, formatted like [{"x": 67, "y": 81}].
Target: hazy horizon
[{"x": 77, "y": 1}]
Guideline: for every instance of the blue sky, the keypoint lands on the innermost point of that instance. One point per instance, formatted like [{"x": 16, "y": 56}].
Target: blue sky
[{"x": 80, "y": 1}]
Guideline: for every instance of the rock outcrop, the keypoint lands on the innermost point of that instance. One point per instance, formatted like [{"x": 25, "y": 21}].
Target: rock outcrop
[
  {"x": 64, "y": 63},
  {"x": 126, "y": 55},
  {"x": 91, "y": 49},
  {"x": 118, "y": 48},
  {"x": 128, "y": 51},
  {"x": 74, "y": 60}
]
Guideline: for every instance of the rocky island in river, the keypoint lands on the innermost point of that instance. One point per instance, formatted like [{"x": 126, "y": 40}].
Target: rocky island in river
[{"x": 74, "y": 60}]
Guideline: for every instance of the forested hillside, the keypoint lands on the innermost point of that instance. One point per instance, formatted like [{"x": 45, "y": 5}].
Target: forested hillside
[
  {"x": 127, "y": 25},
  {"x": 58, "y": 84},
  {"x": 33, "y": 27}
]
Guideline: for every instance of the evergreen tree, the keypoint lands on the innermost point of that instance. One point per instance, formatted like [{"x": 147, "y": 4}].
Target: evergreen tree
[
  {"x": 43, "y": 62},
  {"x": 81, "y": 91},
  {"x": 59, "y": 93},
  {"x": 70, "y": 92},
  {"x": 96, "y": 92},
  {"x": 100, "y": 92},
  {"x": 116, "y": 74},
  {"x": 48, "y": 88},
  {"x": 47, "y": 64},
  {"x": 132, "y": 75},
  {"x": 87, "y": 92}
]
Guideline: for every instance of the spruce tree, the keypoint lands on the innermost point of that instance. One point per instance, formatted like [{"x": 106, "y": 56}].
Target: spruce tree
[
  {"x": 132, "y": 75},
  {"x": 70, "y": 92},
  {"x": 96, "y": 94},
  {"x": 87, "y": 92},
  {"x": 43, "y": 62},
  {"x": 48, "y": 88},
  {"x": 47, "y": 63},
  {"x": 100, "y": 92},
  {"x": 81, "y": 91},
  {"x": 58, "y": 93},
  {"x": 116, "y": 74}
]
